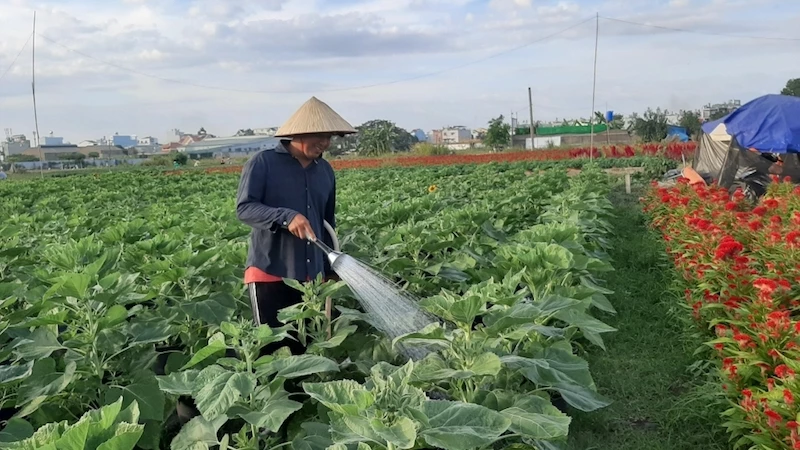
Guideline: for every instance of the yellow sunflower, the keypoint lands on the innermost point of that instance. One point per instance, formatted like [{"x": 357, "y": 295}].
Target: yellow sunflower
[{"x": 432, "y": 188}]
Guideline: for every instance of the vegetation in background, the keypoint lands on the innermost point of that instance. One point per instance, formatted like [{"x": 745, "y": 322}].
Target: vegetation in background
[
  {"x": 690, "y": 120},
  {"x": 652, "y": 126},
  {"x": 498, "y": 134},
  {"x": 792, "y": 87},
  {"x": 378, "y": 137}
]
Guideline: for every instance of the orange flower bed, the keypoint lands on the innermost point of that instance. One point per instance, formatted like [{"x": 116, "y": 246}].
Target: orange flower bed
[{"x": 672, "y": 150}]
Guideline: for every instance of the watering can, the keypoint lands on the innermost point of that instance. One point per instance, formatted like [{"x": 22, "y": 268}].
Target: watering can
[{"x": 332, "y": 254}]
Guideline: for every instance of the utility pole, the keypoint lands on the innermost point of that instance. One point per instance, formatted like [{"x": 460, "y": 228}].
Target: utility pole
[
  {"x": 530, "y": 109},
  {"x": 594, "y": 86},
  {"x": 33, "y": 91}
]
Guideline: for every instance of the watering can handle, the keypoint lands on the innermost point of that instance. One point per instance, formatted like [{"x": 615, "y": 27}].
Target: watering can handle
[{"x": 331, "y": 233}]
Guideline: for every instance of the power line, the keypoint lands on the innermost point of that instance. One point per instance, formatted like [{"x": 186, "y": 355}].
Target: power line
[
  {"x": 14, "y": 61},
  {"x": 708, "y": 33},
  {"x": 352, "y": 88}
]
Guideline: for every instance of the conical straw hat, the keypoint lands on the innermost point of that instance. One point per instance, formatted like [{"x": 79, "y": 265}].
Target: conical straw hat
[{"x": 315, "y": 116}]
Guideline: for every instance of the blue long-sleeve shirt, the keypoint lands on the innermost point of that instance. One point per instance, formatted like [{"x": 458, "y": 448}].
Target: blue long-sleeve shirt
[{"x": 273, "y": 189}]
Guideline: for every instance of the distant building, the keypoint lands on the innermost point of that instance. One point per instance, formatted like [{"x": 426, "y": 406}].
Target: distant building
[
  {"x": 147, "y": 140},
  {"x": 14, "y": 145},
  {"x": 87, "y": 143},
  {"x": 234, "y": 146},
  {"x": 124, "y": 140},
  {"x": 717, "y": 108},
  {"x": 53, "y": 140},
  {"x": 420, "y": 135},
  {"x": 435, "y": 137},
  {"x": 478, "y": 133},
  {"x": 265, "y": 131},
  {"x": 58, "y": 152},
  {"x": 456, "y": 135}
]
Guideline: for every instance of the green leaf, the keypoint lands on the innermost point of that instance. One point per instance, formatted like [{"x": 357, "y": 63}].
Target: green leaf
[
  {"x": 198, "y": 433},
  {"x": 219, "y": 389},
  {"x": 41, "y": 344},
  {"x": 589, "y": 326},
  {"x": 298, "y": 366},
  {"x": 211, "y": 310},
  {"x": 272, "y": 414},
  {"x": 147, "y": 395},
  {"x": 402, "y": 433},
  {"x": 533, "y": 424},
  {"x": 125, "y": 437},
  {"x": 432, "y": 335},
  {"x": 555, "y": 303},
  {"x": 229, "y": 329},
  {"x": 114, "y": 316},
  {"x": 151, "y": 331},
  {"x": 216, "y": 344},
  {"x": 16, "y": 430},
  {"x": 342, "y": 396},
  {"x": 487, "y": 364},
  {"x": 43, "y": 382},
  {"x": 462, "y": 426},
  {"x": 75, "y": 285},
  {"x": 9, "y": 373},
  {"x": 178, "y": 383}
]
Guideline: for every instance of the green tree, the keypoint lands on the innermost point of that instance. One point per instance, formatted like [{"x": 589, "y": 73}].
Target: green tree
[
  {"x": 94, "y": 155},
  {"x": 792, "y": 88},
  {"x": 498, "y": 134},
  {"x": 180, "y": 158},
  {"x": 378, "y": 137},
  {"x": 22, "y": 158},
  {"x": 617, "y": 120},
  {"x": 691, "y": 121},
  {"x": 652, "y": 126}
]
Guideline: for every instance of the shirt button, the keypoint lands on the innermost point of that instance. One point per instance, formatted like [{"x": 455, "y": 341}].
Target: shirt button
[{"x": 308, "y": 260}]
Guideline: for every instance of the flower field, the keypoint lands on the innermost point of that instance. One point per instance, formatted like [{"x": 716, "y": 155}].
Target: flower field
[
  {"x": 635, "y": 153},
  {"x": 740, "y": 267},
  {"x": 122, "y": 293}
]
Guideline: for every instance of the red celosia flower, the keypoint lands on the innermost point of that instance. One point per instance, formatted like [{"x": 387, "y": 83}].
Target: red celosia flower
[
  {"x": 788, "y": 398},
  {"x": 783, "y": 371},
  {"x": 773, "y": 418},
  {"x": 759, "y": 210},
  {"x": 771, "y": 203},
  {"x": 765, "y": 285}
]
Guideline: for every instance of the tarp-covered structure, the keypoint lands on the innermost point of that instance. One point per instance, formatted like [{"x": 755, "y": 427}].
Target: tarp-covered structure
[{"x": 757, "y": 140}]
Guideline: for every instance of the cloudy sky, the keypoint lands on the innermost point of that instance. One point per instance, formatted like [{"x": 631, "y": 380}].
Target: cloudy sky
[{"x": 147, "y": 66}]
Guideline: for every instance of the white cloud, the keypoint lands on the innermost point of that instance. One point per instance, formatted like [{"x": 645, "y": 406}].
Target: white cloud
[{"x": 144, "y": 67}]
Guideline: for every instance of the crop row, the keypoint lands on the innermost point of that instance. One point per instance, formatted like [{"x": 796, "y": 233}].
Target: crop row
[
  {"x": 673, "y": 151},
  {"x": 123, "y": 291},
  {"x": 740, "y": 267}
]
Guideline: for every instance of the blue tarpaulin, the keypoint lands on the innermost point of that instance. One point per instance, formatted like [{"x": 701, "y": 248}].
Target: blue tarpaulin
[
  {"x": 674, "y": 130},
  {"x": 768, "y": 124}
]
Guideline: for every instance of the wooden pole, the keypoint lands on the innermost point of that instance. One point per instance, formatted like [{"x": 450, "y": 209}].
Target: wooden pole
[
  {"x": 627, "y": 183},
  {"x": 33, "y": 92},
  {"x": 530, "y": 110},
  {"x": 594, "y": 88}
]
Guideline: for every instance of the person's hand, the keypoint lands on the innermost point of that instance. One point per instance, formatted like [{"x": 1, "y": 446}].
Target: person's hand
[{"x": 300, "y": 227}]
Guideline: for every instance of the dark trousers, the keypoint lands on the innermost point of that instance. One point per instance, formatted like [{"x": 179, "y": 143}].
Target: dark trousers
[{"x": 266, "y": 299}]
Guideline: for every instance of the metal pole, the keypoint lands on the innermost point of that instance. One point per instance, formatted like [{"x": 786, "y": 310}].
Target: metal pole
[
  {"x": 530, "y": 109},
  {"x": 33, "y": 92},
  {"x": 594, "y": 87}
]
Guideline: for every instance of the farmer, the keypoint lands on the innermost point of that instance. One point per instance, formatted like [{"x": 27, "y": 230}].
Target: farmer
[{"x": 284, "y": 195}]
